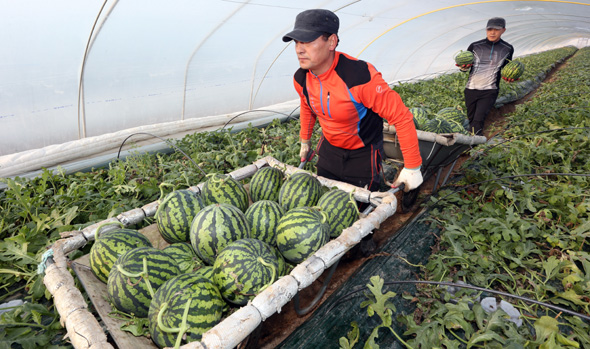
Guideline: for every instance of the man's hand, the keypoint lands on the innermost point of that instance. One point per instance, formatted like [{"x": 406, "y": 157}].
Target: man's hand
[
  {"x": 509, "y": 80},
  {"x": 412, "y": 178},
  {"x": 305, "y": 147},
  {"x": 464, "y": 67}
]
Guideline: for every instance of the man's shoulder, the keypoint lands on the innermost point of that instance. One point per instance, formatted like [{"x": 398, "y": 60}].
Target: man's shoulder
[
  {"x": 299, "y": 76},
  {"x": 352, "y": 71},
  {"x": 506, "y": 44},
  {"x": 479, "y": 42}
]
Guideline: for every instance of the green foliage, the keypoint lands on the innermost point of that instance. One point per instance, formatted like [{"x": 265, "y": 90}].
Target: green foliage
[
  {"x": 553, "y": 209},
  {"x": 377, "y": 303},
  {"x": 525, "y": 235}
]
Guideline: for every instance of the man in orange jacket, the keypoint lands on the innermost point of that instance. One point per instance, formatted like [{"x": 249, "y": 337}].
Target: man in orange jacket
[{"x": 350, "y": 99}]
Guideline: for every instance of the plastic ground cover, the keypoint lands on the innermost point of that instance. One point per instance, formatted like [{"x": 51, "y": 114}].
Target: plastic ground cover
[{"x": 332, "y": 320}]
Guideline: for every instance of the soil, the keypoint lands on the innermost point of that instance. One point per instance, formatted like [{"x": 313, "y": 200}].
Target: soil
[{"x": 280, "y": 325}]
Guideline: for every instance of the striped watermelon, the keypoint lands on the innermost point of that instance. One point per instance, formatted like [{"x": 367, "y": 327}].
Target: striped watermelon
[
  {"x": 284, "y": 267},
  {"x": 136, "y": 275},
  {"x": 300, "y": 189},
  {"x": 214, "y": 227},
  {"x": 301, "y": 232},
  {"x": 185, "y": 257},
  {"x": 189, "y": 293},
  {"x": 223, "y": 189},
  {"x": 205, "y": 271},
  {"x": 464, "y": 57},
  {"x": 266, "y": 184},
  {"x": 110, "y": 245},
  {"x": 421, "y": 116},
  {"x": 457, "y": 127},
  {"x": 263, "y": 217},
  {"x": 243, "y": 269},
  {"x": 175, "y": 215},
  {"x": 341, "y": 208},
  {"x": 466, "y": 125},
  {"x": 513, "y": 70},
  {"x": 438, "y": 125},
  {"x": 452, "y": 114}
]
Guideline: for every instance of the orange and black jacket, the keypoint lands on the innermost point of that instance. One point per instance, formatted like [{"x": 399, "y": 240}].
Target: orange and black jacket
[{"x": 350, "y": 101}]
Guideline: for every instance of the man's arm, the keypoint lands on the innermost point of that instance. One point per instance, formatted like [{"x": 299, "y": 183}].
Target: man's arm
[
  {"x": 307, "y": 121},
  {"x": 378, "y": 96}
]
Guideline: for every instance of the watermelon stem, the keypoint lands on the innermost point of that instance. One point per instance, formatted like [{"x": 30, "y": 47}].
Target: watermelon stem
[
  {"x": 183, "y": 325},
  {"x": 143, "y": 274},
  {"x": 102, "y": 225},
  {"x": 162, "y": 185},
  {"x": 325, "y": 217},
  {"x": 216, "y": 180},
  {"x": 353, "y": 202},
  {"x": 274, "y": 273}
]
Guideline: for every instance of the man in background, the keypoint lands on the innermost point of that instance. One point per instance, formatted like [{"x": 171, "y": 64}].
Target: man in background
[{"x": 490, "y": 56}]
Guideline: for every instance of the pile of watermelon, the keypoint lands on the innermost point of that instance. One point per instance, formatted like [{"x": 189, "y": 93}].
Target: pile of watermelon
[
  {"x": 227, "y": 244},
  {"x": 446, "y": 120}
]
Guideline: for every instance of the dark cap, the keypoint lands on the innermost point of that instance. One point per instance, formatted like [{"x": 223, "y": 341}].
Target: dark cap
[
  {"x": 310, "y": 24},
  {"x": 496, "y": 23}
]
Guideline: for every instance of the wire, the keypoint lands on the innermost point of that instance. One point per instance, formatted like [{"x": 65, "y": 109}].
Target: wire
[
  {"x": 536, "y": 132},
  {"x": 165, "y": 141},
  {"x": 255, "y": 110},
  {"x": 482, "y": 289},
  {"x": 507, "y": 177}
]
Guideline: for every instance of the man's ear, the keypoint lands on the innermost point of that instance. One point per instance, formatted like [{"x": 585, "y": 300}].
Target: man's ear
[{"x": 333, "y": 41}]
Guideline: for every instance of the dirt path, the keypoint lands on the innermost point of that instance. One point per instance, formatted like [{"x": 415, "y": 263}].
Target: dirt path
[{"x": 279, "y": 326}]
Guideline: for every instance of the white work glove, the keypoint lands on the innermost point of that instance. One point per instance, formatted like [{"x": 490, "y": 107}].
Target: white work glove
[
  {"x": 412, "y": 178},
  {"x": 305, "y": 147}
]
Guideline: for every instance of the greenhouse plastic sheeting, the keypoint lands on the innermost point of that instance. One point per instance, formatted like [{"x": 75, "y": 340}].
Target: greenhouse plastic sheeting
[
  {"x": 71, "y": 70},
  {"x": 332, "y": 320}
]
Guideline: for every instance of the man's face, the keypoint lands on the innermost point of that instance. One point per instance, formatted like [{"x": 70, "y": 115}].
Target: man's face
[
  {"x": 494, "y": 34},
  {"x": 316, "y": 55}
]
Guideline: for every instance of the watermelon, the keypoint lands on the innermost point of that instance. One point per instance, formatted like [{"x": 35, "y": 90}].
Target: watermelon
[
  {"x": 184, "y": 308},
  {"x": 185, "y": 257},
  {"x": 263, "y": 217},
  {"x": 244, "y": 268},
  {"x": 266, "y": 184},
  {"x": 175, "y": 215},
  {"x": 301, "y": 232},
  {"x": 457, "y": 127},
  {"x": 136, "y": 275},
  {"x": 110, "y": 245},
  {"x": 341, "y": 208},
  {"x": 300, "y": 189},
  {"x": 466, "y": 125},
  {"x": 214, "y": 227},
  {"x": 284, "y": 267},
  {"x": 420, "y": 117},
  {"x": 223, "y": 189},
  {"x": 451, "y": 114},
  {"x": 464, "y": 57},
  {"x": 513, "y": 70},
  {"x": 438, "y": 125},
  {"x": 205, "y": 271}
]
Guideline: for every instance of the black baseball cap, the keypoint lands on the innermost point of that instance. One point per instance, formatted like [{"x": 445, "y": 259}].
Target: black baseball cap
[
  {"x": 496, "y": 23},
  {"x": 310, "y": 24}
]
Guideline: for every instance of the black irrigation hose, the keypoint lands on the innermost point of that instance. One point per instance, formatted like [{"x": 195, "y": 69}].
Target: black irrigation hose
[
  {"x": 165, "y": 141},
  {"x": 482, "y": 289}
]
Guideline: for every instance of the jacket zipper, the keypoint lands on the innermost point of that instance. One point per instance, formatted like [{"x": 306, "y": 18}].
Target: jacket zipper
[{"x": 328, "y": 105}]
